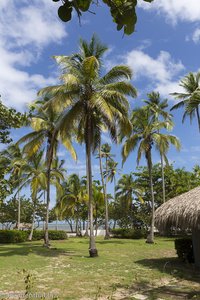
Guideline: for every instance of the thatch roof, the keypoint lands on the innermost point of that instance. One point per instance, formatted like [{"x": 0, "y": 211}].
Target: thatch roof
[{"x": 182, "y": 211}]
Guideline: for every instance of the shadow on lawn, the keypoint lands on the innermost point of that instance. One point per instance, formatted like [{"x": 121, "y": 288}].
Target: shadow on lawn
[
  {"x": 170, "y": 291},
  {"x": 172, "y": 266},
  {"x": 26, "y": 249}
]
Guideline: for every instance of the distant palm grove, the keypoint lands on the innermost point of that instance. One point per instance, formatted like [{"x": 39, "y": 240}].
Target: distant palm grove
[{"x": 86, "y": 103}]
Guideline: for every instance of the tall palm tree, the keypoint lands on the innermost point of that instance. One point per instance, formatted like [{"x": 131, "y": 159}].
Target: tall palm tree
[
  {"x": 190, "y": 98},
  {"x": 93, "y": 101},
  {"x": 145, "y": 135},
  {"x": 158, "y": 108},
  {"x": 104, "y": 153},
  {"x": 45, "y": 135},
  {"x": 98, "y": 201},
  {"x": 34, "y": 175},
  {"x": 12, "y": 154}
]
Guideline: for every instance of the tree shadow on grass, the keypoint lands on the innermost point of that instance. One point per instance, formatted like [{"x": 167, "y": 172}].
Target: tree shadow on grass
[
  {"x": 172, "y": 266},
  {"x": 182, "y": 284},
  {"x": 113, "y": 241},
  {"x": 24, "y": 249},
  {"x": 171, "y": 291}
]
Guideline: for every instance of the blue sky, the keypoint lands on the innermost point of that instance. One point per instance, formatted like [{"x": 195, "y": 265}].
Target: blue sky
[{"x": 164, "y": 48}]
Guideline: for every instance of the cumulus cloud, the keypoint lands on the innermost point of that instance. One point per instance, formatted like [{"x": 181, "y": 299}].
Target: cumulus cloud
[
  {"x": 161, "y": 71},
  {"x": 175, "y": 10},
  {"x": 25, "y": 30},
  {"x": 196, "y": 36}
]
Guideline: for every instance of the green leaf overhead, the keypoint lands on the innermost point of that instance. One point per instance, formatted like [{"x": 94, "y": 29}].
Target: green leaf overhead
[{"x": 123, "y": 12}]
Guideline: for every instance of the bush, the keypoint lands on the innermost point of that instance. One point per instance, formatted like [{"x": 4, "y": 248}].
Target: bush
[
  {"x": 53, "y": 235},
  {"x": 18, "y": 236},
  {"x": 184, "y": 249},
  {"x": 123, "y": 233},
  {"x": 13, "y": 236}
]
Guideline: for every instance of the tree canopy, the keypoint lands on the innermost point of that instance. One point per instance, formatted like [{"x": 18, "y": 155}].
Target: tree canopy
[
  {"x": 123, "y": 12},
  {"x": 9, "y": 118}
]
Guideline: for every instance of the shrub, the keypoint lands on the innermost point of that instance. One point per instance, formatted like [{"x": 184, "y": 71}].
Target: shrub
[
  {"x": 53, "y": 235},
  {"x": 13, "y": 236},
  {"x": 128, "y": 233},
  {"x": 184, "y": 249},
  {"x": 18, "y": 236}
]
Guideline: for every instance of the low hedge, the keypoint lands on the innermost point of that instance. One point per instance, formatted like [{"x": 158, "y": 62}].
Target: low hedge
[
  {"x": 13, "y": 236},
  {"x": 53, "y": 235},
  {"x": 19, "y": 236},
  {"x": 124, "y": 233},
  {"x": 184, "y": 249}
]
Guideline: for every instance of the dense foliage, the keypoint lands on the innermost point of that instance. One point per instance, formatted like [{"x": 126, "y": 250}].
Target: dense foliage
[
  {"x": 123, "y": 12},
  {"x": 19, "y": 236},
  {"x": 9, "y": 118},
  {"x": 184, "y": 249},
  {"x": 13, "y": 236},
  {"x": 129, "y": 233}
]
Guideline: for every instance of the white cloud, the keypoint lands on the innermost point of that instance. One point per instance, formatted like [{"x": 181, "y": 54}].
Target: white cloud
[
  {"x": 79, "y": 167},
  {"x": 162, "y": 71},
  {"x": 25, "y": 30},
  {"x": 175, "y": 10},
  {"x": 196, "y": 36}
]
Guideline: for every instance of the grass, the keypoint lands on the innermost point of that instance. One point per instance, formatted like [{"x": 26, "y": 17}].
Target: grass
[{"x": 124, "y": 269}]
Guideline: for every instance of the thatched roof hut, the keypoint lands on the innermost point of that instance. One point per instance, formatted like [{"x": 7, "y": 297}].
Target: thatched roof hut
[{"x": 182, "y": 211}]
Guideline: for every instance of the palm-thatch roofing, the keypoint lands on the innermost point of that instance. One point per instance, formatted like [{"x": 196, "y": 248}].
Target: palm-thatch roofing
[{"x": 182, "y": 211}]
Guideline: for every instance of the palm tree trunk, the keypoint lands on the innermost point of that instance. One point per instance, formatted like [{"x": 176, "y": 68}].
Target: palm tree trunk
[
  {"x": 33, "y": 224},
  {"x": 150, "y": 238},
  {"x": 198, "y": 117},
  {"x": 19, "y": 212},
  {"x": 87, "y": 225},
  {"x": 96, "y": 222},
  {"x": 56, "y": 223},
  {"x": 46, "y": 229},
  {"x": 163, "y": 176},
  {"x": 92, "y": 246},
  {"x": 107, "y": 235},
  {"x": 49, "y": 158}
]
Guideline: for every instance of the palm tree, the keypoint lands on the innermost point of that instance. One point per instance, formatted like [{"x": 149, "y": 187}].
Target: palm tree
[
  {"x": 34, "y": 175},
  {"x": 105, "y": 153},
  {"x": 45, "y": 133},
  {"x": 12, "y": 154},
  {"x": 158, "y": 109},
  {"x": 98, "y": 201},
  {"x": 126, "y": 189},
  {"x": 145, "y": 135},
  {"x": 112, "y": 170},
  {"x": 190, "y": 98},
  {"x": 73, "y": 200},
  {"x": 94, "y": 102}
]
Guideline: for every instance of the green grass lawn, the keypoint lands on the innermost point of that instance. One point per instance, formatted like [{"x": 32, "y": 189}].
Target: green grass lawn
[{"x": 125, "y": 269}]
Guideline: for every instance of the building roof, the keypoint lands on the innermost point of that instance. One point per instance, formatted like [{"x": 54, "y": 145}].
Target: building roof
[{"x": 182, "y": 211}]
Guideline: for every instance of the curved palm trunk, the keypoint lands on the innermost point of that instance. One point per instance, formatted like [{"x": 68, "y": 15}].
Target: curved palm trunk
[
  {"x": 163, "y": 176},
  {"x": 150, "y": 238},
  {"x": 107, "y": 235},
  {"x": 92, "y": 246}
]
